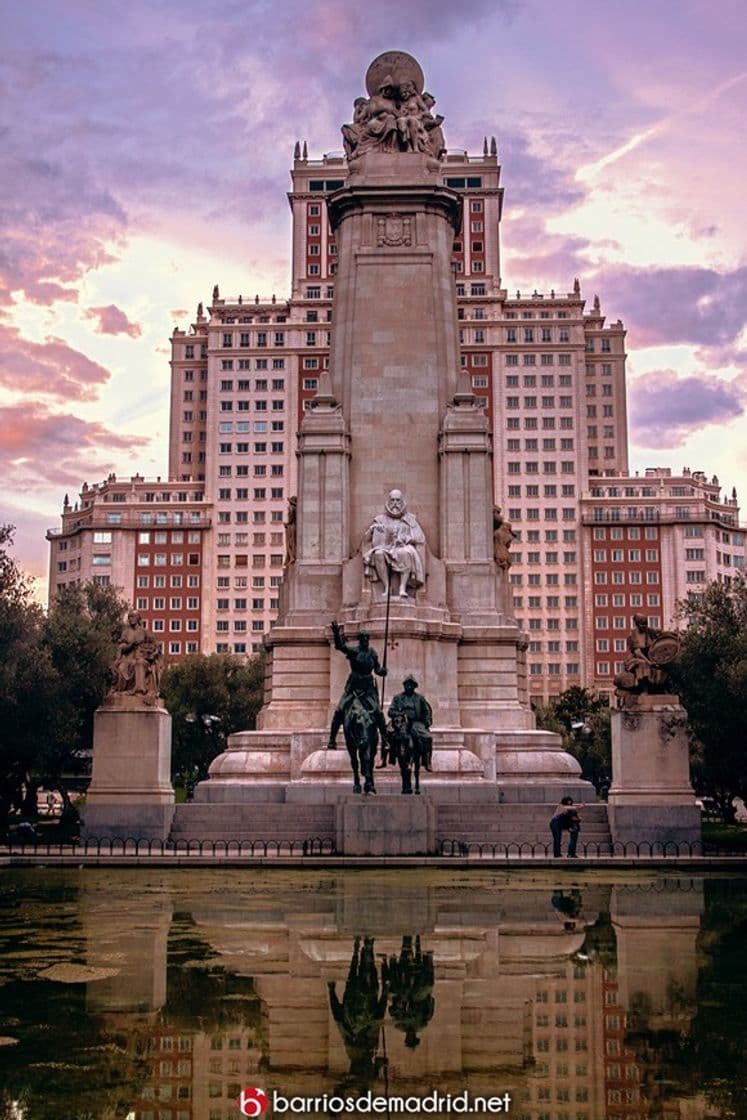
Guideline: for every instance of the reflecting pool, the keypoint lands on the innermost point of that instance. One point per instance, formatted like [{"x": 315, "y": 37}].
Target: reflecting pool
[{"x": 149, "y": 995}]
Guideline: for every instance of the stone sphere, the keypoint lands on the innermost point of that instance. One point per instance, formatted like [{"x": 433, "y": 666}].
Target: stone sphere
[{"x": 397, "y": 67}]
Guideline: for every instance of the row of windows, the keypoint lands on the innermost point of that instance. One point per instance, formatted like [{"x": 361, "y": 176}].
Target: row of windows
[
  {"x": 545, "y": 334},
  {"x": 529, "y": 380},
  {"x": 259, "y": 405},
  {"x": 240, "y": 626},
  {"x": 553, "y": 647},
  {"x": 161, "y": 559},
  {"x": 635, "y": 599},
  {"x": 551, "y": 624},
  {"x": 158, "y": 625},
  {"x": 621, "y": 622},
  {"x": 223, "y": 583},
  {"x": 554, "y": 669},
  {"x": 651, "y": 533},
  {"x": 625, "y": 577},
  {"x": 548, "y": 444},
  {"x": 547, "y": 402},
  {"x": 552, "y": 579},
  {"x": 617, "y": 555},
  {"x": 552, "y": 602},
  {"x": 161, "y": 537},
  {"x": 551, "y": 535},
  {"x": 548, "y": 467},
  {"x": 241, "y": 604},
  {"x": 143, "y": 582},
  {"x": 241, "y": 560},
  {"x": 244, "y": 385},
  {"x": 158, "y": 603},
  {"x": 550, "y": 557},
  {"x": 532, "y": 424}
]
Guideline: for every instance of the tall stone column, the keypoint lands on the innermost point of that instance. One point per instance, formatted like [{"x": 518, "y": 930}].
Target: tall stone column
[{"x": 395, "y": 499}]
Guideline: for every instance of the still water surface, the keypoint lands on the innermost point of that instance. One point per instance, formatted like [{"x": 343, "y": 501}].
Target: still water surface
[{"x": 161, "y": 995}]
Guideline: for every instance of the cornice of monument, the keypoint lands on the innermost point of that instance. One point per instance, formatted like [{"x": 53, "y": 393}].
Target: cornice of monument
[{"x": 387, "y": 197}]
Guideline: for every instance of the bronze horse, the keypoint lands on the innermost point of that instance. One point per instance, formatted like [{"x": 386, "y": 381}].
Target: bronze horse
[
  {"x": 361, "y": 738},
  {"x": 404, "y": 748}
]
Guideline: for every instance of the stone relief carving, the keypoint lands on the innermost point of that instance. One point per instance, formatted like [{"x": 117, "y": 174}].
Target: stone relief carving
[
  {"x": 397, "y": 115},
  {"x": 395, "y": 558},
  {"x": 670, "y": 726},
  {"x": 631, "y": 719},
  {"x": 393, "y": 230}
]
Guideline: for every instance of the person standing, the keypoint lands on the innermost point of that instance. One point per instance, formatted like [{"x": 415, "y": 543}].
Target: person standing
[{"x": 565, "y": 819}]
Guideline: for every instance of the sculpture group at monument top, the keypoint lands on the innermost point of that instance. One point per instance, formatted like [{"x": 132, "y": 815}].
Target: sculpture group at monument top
[{"x": 397, "y": 115}]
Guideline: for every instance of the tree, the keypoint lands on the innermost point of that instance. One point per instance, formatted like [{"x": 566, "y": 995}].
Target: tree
[
  {"x": 25, "y": 676},
  {"x": 583, "y": 720},
  {"x": 710, "y": 676},
  {"x": 79, "y": 636},
  {"x": 209, "y": 697},
  {"x": 53, "y": 676}
]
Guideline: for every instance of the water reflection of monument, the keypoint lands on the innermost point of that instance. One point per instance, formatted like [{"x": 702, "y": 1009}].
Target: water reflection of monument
[{"x": 531, "y": 991}]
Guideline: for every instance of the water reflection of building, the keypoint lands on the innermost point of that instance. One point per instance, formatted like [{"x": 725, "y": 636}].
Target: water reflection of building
[{"x": 528, "y": 997}]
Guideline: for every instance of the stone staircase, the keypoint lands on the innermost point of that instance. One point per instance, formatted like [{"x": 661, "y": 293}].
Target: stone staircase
[
  {"x": 272, "y": 822},
  {"x": 519, "y": 824},
  {"x": 276, "y": 823}
]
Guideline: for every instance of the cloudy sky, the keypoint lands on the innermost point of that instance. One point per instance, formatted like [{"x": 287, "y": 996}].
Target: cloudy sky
[{"x": 145, "y": 154}]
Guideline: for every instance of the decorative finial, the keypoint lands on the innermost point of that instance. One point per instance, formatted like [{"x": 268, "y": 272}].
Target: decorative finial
[
  {"x": 297, "y": 150},
  {"x": 493, "y": 146},
  {"x": 596, "y": 303},
  {"x": 305, "y": 151},
  {"x": 216, "y": 293},
  {"x": 241, "y": 299},
  {"x": 484, "y": 145},
  {"x": 273, "y": 297},
  {"x": 200, "y": 311},
  {"x": 256, "y": 299},
  {"x": 576, "y": 287}
]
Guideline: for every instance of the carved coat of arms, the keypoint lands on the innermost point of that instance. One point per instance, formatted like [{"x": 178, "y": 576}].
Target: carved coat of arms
[{"x": 394, "y": 230}]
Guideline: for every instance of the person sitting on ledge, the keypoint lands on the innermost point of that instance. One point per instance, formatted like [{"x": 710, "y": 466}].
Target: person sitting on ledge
[{"x": 565, "y": 819}]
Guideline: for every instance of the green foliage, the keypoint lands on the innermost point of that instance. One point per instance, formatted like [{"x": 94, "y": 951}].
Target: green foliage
[
  {"x": 583, "y": 720},
  {"x": 711, "y": 679},
  {"x": 53, "y": 675},
  {"x": 80, "y": 636},
  {"x": 209, "y": 697}
]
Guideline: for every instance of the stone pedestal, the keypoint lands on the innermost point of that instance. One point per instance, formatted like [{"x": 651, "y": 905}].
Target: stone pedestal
[
  {"x": 651, "y": 799},
  {"x": 130, "y": 794},
  {"x": 377, "y": 825}
]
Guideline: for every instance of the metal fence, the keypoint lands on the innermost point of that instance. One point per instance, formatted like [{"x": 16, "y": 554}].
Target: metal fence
[
  {"x": 134, "y": 846},
  {"x": 131, "y": 846}
]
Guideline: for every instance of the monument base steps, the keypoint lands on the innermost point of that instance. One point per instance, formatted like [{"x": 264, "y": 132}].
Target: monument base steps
[{"x": 293, "y": 820}]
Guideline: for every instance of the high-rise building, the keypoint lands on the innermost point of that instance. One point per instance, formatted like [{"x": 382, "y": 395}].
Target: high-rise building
[
  {"x": 647, "y": 542},
  {"x": 147, "y": 538},
  {"x": 551, "y": 376}
]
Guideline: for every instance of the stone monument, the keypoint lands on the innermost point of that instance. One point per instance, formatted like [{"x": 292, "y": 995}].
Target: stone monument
[
  {"x": 130, "y": 792},
  {"x": 394, "y": 518},
  {"x": 651, "y": 798}
]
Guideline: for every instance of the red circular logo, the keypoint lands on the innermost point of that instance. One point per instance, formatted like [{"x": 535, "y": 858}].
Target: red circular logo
[{"x": 253, "y": 1102}]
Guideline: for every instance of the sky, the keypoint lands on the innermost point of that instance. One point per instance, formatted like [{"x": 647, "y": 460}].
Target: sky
[{"x": 145, "y": 156}]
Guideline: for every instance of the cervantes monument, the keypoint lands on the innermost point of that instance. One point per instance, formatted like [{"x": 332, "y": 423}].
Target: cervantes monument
[{"x": 395, "y": 483}]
